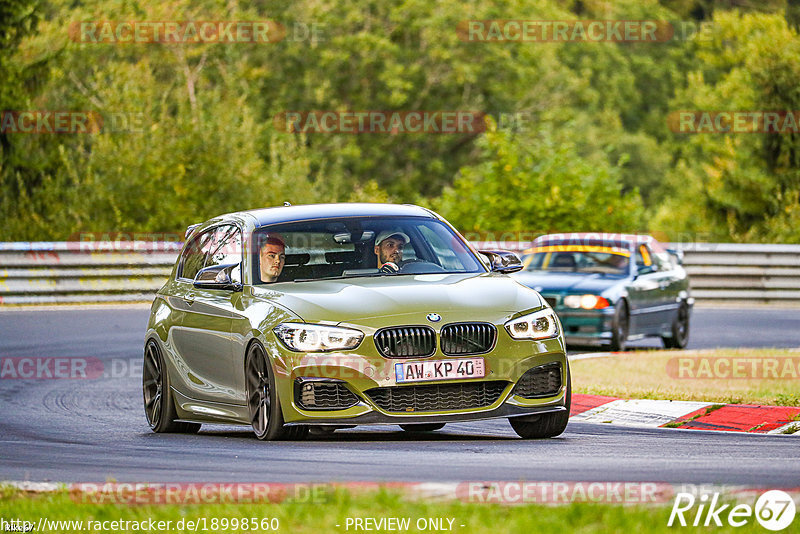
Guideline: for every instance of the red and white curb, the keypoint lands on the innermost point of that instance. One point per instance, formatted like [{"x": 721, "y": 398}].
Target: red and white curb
[{"x": 686, "y": 415}]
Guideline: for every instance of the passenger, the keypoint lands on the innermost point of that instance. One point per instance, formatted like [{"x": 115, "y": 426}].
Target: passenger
[
  {"x": 272, "y": 257},
  {"x": 389, "y": 250}
]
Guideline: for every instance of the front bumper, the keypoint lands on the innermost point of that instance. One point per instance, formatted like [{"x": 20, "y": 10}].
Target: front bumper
[
  {"x": 377, "y": 418},
  {"x": 364, "y": 369},
  {"x": 586, "y": 327}
]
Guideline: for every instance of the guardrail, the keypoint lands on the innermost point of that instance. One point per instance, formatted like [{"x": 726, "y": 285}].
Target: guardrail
[
  {"x": 739, "y": 274},
  {"x": 74, "y": 272}
]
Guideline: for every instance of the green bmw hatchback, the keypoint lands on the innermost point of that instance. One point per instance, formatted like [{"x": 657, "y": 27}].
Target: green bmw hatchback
[{"x": 336, "y": 315}]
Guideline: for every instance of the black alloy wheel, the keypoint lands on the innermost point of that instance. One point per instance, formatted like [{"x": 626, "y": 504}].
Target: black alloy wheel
[
  {"x": 262, "y": 399},
  {"x": 159, "y": 406}
]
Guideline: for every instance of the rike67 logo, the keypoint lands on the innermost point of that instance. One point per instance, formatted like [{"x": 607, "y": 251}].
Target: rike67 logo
[{"x": 774, "y": 510}]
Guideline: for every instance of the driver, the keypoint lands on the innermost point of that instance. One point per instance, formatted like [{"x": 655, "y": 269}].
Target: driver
[
  {"x": 272, "y": 257},
  {"x": 618, "y": 262},
  {"x": 389, "y": 249}
]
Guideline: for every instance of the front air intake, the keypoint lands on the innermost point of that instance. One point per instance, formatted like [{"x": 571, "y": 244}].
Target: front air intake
[
  {"x": 321, "y": 394},
  {"x": 437, "y": 397},
  {"x": 542, "y": 381}
]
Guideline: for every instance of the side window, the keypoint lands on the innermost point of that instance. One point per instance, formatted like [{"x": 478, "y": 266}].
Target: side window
[
  {"x": 218, "y": 246},
  {"x": 644, "y": 258},
  {"x": 226, "y": 248},
  {"x": 194, "y": 256}
]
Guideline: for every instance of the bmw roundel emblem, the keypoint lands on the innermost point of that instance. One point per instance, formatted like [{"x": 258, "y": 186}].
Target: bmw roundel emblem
[{"x": 434, "y": 317}]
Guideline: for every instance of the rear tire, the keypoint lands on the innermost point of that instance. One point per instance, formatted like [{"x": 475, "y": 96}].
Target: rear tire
[
  {"x": 159, "y": 406},
  {"x": 546, "y": 425},
  {"x": 620, "y": 327},
  {"x": 263, "y": 403},
  {"x": 680, "y": 330},
  {"x": 422, "y": 427}
]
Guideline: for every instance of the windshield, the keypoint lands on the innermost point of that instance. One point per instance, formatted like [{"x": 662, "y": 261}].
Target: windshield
[
  {"x": 577, "y": 259},
  {"x": 357, "y": 247}
]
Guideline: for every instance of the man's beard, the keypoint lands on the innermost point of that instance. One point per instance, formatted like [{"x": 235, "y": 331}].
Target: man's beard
[{"x": 394, "y": 258}]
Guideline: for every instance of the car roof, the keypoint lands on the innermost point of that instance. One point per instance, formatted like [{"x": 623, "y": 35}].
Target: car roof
[
  {"x": 282, "y": 214},
  {"x": 595, "y": 238}
]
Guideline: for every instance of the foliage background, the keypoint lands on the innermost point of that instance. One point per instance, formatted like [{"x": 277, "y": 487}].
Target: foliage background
[{"x": 593, "y": 153}]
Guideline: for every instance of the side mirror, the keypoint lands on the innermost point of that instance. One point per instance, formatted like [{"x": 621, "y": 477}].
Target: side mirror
[
  {"x": 217, "y": 277},
  {"x": 676, "y": 254},
  {"x": 503, "y": 261}
]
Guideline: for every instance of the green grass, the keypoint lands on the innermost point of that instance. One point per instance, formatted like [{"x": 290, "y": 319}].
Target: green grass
[
  {"x": 323, "y": 517},
  {"x": 650, "y": 375},
  {"x": 582, "y": 518},
  {"x": 708, "y": 410}
]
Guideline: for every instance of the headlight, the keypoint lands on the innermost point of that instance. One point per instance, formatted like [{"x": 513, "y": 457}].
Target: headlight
[
  {"x": 537, "y": 325},
  {"x": 587, "y": 302},
  {"x": 301, "y": 337}
]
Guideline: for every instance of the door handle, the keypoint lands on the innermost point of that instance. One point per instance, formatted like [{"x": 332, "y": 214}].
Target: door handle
[{"x": 189, "y": 298}]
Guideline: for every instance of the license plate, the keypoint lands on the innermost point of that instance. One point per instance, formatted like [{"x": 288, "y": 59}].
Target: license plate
[{"x": 439, "y": 370}]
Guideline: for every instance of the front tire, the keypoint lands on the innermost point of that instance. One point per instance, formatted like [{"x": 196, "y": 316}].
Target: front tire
[
  {"x": 546, "y": 425},
  {"x": 263, "y": 403},
  {"x": 680, "y": 330},
  {"x": 159, "y": 406},
  {"x": 620, "y": 327}
]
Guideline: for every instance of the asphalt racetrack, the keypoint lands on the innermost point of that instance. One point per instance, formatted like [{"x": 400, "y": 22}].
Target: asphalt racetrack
[{"x": 95, "y": 430}]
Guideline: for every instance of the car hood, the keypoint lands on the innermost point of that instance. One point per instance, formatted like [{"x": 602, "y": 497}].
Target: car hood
[
  {"x": 568, "y": 282},
  {"x": 367, "y": 300}
]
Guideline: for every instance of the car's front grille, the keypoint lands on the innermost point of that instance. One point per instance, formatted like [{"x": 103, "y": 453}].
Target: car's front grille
[
  {"x": 467, "y": 338},
  {"x": 542, "y": 381},
  {"x": 437, "y": 397},
  {"x": 406, "y": 341},
  {"x": 312, "y": 394}
]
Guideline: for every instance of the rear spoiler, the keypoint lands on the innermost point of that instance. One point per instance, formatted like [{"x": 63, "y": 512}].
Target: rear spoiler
[{"x": 190, "y": 229}]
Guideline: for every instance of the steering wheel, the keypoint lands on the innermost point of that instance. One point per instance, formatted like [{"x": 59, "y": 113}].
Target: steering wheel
[{"x": 418, "y": 266}]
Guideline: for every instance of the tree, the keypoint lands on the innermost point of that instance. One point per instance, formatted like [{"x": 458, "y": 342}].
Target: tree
[
  {"x": 535, "y": 185},
  {"x": 742, "y": 186}
]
